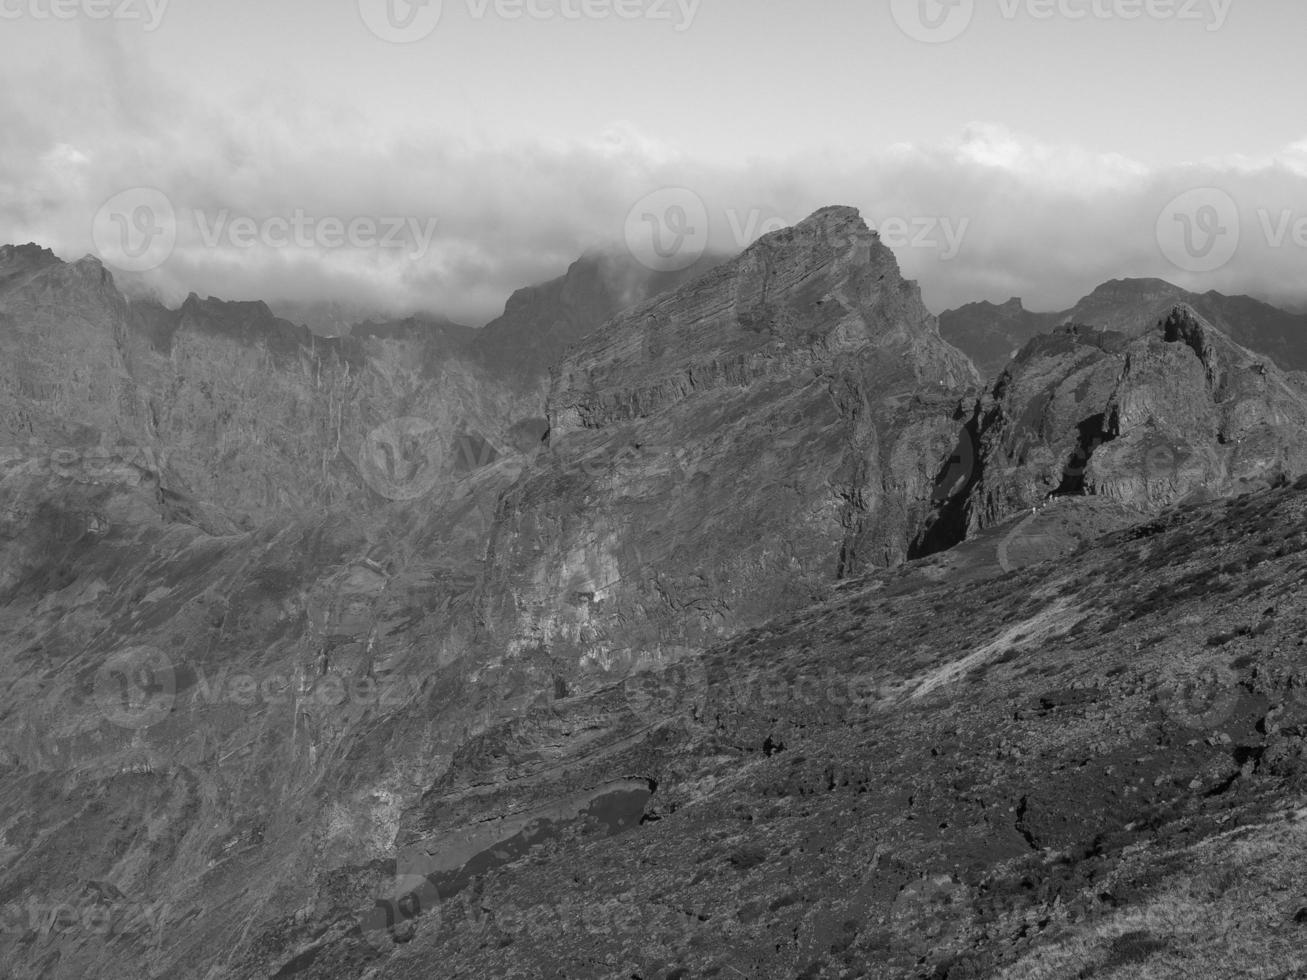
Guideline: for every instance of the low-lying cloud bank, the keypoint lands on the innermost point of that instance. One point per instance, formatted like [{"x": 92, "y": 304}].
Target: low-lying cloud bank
[{"x": 283, "y": 199}]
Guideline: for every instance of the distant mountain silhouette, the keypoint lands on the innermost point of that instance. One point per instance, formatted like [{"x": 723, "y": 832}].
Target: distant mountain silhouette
[{"x": 540, "y": 322}]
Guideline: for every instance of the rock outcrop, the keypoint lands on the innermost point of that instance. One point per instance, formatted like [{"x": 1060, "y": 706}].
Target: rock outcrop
[{"x": 1174, "y": 413}]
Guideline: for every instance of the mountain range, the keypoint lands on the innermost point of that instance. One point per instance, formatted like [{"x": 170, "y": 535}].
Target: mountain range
[
  {"x": 730, "y": 622},
  {"x": 991, "y": 334}
]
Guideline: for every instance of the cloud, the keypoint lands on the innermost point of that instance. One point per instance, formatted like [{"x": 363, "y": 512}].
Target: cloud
[{"x": 988, "y": 214}]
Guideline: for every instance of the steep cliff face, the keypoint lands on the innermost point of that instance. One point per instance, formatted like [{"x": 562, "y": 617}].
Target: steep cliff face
[
  {"x": 63, "y": 370},
  {"x": 235, "y": 407},
  {"x": 1146, "y": 420},
  {"x": 727, "y": 451},
  {"x": 266, "y": 419}
]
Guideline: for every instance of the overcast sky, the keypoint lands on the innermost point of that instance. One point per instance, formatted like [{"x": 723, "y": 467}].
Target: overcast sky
[{"x": 441, "y": 155}]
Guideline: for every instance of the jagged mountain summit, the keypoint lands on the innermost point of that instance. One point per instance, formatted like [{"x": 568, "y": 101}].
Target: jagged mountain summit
[{"x": 991, "y": 334}]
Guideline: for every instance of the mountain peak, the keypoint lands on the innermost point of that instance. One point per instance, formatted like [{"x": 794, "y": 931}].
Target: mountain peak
[
  {"x": 837, "y": 227},
  {"x": 1135, "y": 283},
  {"x": 20, "y": 260},
  {"x": 93, "y": 270},
  {"x": 834, "y": 214},
  {"x": 29, "y": 252},
  {"x": 798, "y": 297}
]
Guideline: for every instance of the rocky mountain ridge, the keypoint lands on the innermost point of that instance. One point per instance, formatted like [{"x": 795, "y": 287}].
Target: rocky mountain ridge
[
  {"x": 991, "y": 334},
  {"x": 738, "y": 658},
  {"x": 349, "y": 650}
]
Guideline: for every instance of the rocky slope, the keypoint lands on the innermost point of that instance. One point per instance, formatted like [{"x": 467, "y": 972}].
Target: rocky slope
[
  {"x": 1090, "y": 768},
  {"x": 991, "y": 334}
]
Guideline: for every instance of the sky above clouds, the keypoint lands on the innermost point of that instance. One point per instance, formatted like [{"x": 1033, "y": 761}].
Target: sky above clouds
[{"x": 439, "y": 156}]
